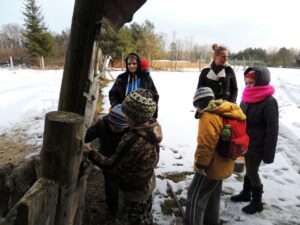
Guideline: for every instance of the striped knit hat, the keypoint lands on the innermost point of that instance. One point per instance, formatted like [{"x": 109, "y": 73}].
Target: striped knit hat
[
  {"x": 139, "y": 105},
  {"x": 202, "y": 97},
  {"x": 117, "y": 118}
]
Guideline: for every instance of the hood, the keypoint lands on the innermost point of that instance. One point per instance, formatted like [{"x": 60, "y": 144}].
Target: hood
[
  {"x": 224, "y": 108},
  {"x": 139, "y": 67},
  {"x": 152, "y": 132},
  {"x": 262, "y": 77}
]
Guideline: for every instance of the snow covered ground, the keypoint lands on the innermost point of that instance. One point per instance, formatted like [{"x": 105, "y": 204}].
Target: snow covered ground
[{"x": 26, "y": 95}]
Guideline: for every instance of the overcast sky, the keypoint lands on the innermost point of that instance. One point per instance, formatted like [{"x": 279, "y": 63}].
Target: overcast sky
[{"x": 236, "y": 24}]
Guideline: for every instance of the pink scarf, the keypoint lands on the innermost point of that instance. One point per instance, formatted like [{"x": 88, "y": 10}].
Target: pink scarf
[{"x": 257, "y": 93}]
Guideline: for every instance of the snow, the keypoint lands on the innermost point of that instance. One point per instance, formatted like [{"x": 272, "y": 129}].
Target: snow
[{"x": 26, "y": 95}]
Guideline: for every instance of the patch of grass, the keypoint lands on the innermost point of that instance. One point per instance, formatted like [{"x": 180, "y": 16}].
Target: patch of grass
[
  {"x": 169, "y": 207},
  {"x": 175, "y": 177},
  {"x": 226, "y": 193},
  {"x": 13, "y": 150},
  {"x": 177, "y": 164},
  {"x": 239, "y": 177},
  {"x": 174, "y": 150},
  {"x": 178, "y": 157}
]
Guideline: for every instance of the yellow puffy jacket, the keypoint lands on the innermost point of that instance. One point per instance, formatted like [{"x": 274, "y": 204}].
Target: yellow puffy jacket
[{"x": 209, "y": 131}]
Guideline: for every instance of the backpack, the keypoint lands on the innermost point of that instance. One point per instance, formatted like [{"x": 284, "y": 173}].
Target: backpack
[{"x": 237, "y": 145}]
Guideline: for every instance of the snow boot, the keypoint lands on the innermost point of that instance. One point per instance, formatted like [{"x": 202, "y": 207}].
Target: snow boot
[
  {"x": 255, "y": 204},
  {"x": 245, "y": 194}
]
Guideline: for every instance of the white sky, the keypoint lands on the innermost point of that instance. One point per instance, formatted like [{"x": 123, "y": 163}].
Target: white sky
[{"x": 234, "y": 23}]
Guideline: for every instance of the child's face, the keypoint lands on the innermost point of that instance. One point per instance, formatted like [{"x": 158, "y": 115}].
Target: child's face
[
  {"x": 116, "y": 129},
  {"x": 132, "y": 65},
  {"x": 129, "y": 121},
  {"x": 249, "y": 82}
]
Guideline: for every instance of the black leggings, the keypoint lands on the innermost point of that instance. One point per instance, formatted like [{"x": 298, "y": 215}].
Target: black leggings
[{"x": 252, "y": 166}]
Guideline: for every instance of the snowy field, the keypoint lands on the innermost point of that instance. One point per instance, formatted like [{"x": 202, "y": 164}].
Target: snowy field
[{"x": 26, "y": 95}]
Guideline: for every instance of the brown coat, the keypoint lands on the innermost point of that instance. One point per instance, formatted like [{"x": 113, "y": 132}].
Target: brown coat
[{"x": 134, "y": 166}]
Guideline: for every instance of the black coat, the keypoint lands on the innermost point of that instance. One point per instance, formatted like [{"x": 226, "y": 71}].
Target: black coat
[
  {"x": 117, "y": 93},
  {"x": 225, "y": 88},
  {"x": 262, "y": 128},
  {"x": 107, "y": 138}
]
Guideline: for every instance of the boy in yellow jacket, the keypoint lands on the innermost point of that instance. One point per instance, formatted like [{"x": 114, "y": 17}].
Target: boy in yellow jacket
[{"x": 203, "y": 201}]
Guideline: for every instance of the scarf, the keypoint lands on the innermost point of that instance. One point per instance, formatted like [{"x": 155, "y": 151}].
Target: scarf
[{"x": 257, "y": 93}]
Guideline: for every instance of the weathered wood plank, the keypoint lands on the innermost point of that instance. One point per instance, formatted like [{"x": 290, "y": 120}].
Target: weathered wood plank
[{"x": 38, "y": 206}]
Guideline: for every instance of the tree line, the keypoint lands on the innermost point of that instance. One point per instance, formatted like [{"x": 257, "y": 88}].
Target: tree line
[{"x": 27, "y": 42}]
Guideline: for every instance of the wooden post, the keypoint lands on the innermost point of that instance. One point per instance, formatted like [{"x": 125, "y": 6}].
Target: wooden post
[
  {"x": 11, "y": 62},
  {"x": 92, "y": 93},
  {"x": 60, "y": 159},
  {"x": 42, "y": 63}
]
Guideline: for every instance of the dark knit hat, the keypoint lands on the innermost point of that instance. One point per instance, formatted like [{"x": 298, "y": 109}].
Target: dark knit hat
[
  {"x": 139, "y": 105},
  {"x": 202, "y": 97},
  {"x": 117, "y": 118},
  {"x": 262, "y": 75}
]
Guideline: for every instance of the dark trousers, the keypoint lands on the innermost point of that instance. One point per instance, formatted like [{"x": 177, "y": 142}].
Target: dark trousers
[
  {"x": 111, "y": 192},
  {"x": 252, "y": 166},
  {"x": 139, "y": 213},
  {"x": 203, "y": 201}
]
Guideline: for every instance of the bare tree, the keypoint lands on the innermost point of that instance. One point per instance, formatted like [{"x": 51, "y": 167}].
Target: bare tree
[{"x": 11, "y": 36}]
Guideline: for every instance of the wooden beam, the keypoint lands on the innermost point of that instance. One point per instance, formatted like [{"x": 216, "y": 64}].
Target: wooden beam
[{"x": 84, "y": 30}]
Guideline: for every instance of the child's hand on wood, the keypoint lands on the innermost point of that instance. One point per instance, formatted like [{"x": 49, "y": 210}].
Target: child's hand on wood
[{"x": 86, "y": 149}]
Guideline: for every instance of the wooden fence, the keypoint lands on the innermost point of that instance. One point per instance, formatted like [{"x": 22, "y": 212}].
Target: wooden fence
[{"x": 57, "y": 196}]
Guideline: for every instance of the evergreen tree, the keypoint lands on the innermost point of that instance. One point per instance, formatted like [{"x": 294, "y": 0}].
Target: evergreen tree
[{"x": 38, "y": 40}]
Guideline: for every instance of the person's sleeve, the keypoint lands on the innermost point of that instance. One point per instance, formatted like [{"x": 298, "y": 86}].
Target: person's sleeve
[
  {"x": 114, "y": 94},
  {"x": 271, "y": 115},
  {"x": 233, "y": 88},
  {"x": 201, "y": 81},
  {"x": 208, "y": 136},
  {"x": 155, "y": 95},
  {"x": 113, "y": 162},
  {"x": 93, "y": 132}
]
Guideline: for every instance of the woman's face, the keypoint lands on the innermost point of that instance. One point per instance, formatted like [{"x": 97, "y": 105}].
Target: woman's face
[
  {"x": 222, "y": 58},
  {"x": 249, "y": 82},
  {"x": 132, "y": 65}
]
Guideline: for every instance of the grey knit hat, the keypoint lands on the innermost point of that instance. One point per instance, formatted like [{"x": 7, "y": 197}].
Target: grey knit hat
[
  {"x": 139, "y": 105},
  {"x": 202, "y": 97},
  {"x": 117, "y": 118}
]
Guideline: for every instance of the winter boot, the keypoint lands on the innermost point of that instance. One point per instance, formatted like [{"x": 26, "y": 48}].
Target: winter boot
[
  {"x": 255, "y": 204},
  {"x": 245, "y": 194}
]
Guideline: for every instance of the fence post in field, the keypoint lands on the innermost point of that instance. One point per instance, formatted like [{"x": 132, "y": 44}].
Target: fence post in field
[
  {"x": 11, "y": 62},
  {"x": 61, "y": 156},
  {"x": 122, "y": 61}
]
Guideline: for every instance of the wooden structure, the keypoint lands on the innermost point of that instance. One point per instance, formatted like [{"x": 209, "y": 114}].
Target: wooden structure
[{"x": 57, "y": 197}]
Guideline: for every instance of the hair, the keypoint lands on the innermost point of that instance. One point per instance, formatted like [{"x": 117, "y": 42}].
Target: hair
[
  {"x": 218, "y": 49},
  {"x": 131, "y": 56}
]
